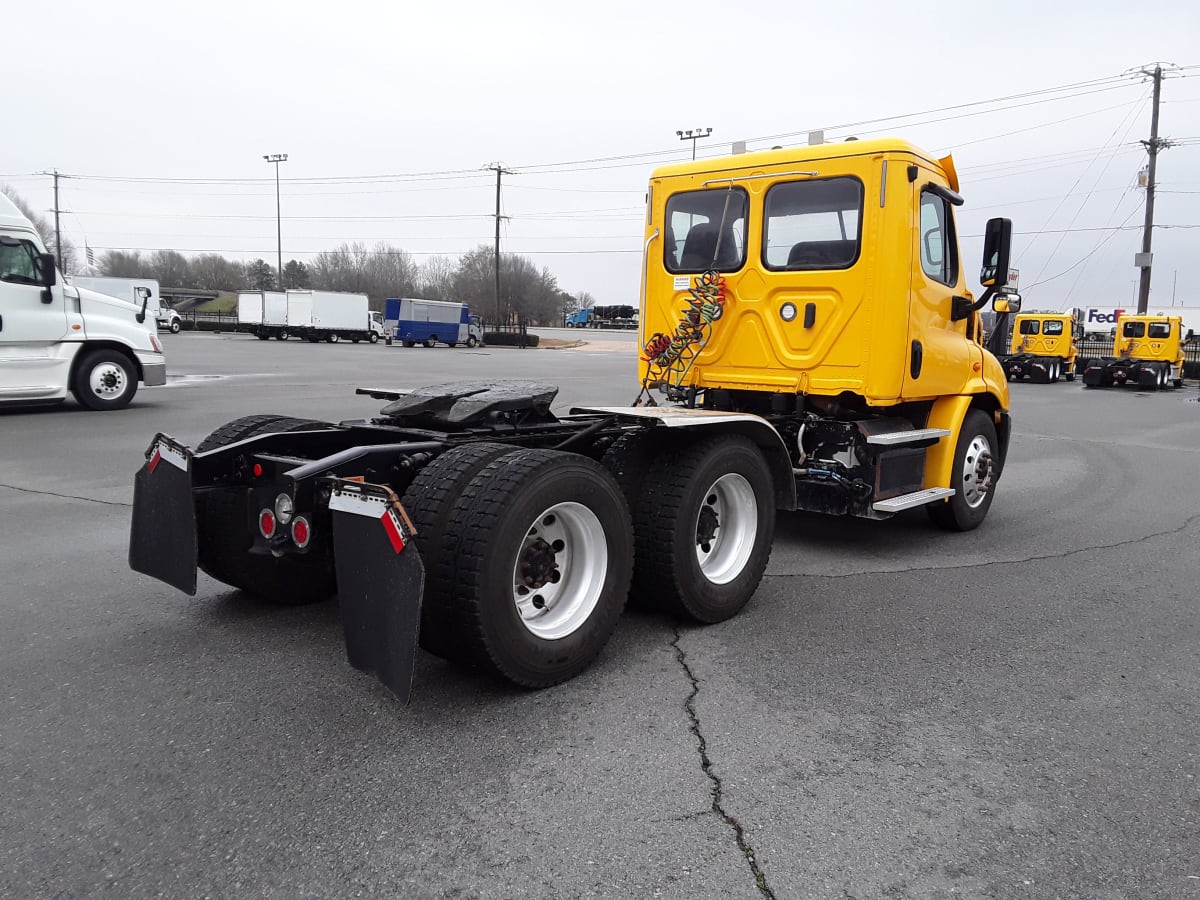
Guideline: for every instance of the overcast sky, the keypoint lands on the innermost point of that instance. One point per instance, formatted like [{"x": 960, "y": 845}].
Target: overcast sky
[{"x": 153, "y": 90}]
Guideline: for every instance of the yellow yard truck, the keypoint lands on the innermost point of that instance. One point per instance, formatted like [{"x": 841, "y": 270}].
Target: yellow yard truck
[
  {"x": 1147, "y": 353},
  {"x": 808, "y": 342},
  {"x": 1043, "y": 347}
]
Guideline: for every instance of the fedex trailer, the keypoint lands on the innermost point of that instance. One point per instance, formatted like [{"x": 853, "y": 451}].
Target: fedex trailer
[{"x": 1100, "y": 322}]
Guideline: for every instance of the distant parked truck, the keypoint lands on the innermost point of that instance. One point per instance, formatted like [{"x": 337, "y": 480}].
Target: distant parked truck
[
  {"x": 130, "y": 289},
  {"x": 412, "y": 320},
  {"x": 1100, "y": 322},
  {"x": 264, "y": 313},
  {"x": 331, "y": 316},
  {"x": 1147, "y": 352},
  {"x": 618, "y": 316},
  {"x": 1043, "y": 347}
]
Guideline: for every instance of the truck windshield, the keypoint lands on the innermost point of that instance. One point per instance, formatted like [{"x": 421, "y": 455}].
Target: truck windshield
[
  {"x": 1030, "y": 326},
  {"x": 813, "y": 224},
  {"x": 17, "y": 263},
  {"x": 706, "y": 230},
  {"x": 1052, "y": 326}
]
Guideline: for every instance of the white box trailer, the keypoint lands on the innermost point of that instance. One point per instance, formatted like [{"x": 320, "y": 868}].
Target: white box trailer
[
  {"x": 130, "y": 290},
  {"x": 331, "y": 316},
  {"x": 263, "y": 313}
]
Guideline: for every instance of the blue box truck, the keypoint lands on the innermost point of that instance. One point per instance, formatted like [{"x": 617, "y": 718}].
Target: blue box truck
[{"x": 414, "y": 321}]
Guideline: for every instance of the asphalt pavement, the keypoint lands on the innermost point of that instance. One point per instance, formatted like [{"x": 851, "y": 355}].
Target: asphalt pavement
[{"x": 899, "y": 712}]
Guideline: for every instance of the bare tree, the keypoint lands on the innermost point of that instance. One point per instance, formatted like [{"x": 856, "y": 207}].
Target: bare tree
[
  {"x": 45, "y": 230},
  {"x": 435, "y": 279}
]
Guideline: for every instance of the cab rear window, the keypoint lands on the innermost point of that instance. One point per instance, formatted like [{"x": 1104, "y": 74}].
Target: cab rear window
[
  {"x": 706, "y": 230},
  {"x": 814, "y": 224},
  {"x": 1052, "y": 326},
  {"x": 1160, "y": 329},
  {"x": 1031, "y": 326},
  {"x": 1133, "y": 329}
]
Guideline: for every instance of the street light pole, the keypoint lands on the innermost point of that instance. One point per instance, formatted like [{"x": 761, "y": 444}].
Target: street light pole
[
  {"x": 693, "y": 135},
  {"x": 277, "y": 158}
]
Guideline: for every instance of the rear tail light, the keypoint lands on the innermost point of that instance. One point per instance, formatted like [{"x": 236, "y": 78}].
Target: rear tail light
[
  {"x": 301, "y": 532},
  {"x": 266, "y": 523}
]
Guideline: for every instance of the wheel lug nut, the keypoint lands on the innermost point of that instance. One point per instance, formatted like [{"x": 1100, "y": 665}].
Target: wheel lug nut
[{"x": 557, "y": 546}]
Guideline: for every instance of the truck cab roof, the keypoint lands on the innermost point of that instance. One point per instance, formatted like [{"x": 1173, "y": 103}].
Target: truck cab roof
[{"x": 12, "y": 219}]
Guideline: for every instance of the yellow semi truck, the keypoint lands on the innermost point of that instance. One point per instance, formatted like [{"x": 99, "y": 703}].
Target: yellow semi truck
[
  {"x": 1147, "y": 353},
  {"x": 808, "y": 342},
  {"x": 1043, "y": 347}
]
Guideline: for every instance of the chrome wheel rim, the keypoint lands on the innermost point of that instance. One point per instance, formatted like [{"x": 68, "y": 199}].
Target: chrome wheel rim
[
  {"x": 977, "y": 471},
  {"x": 560, "y": 570},
  {"x": 107, "y": 380},
  {"x": 726, "y": 527}
]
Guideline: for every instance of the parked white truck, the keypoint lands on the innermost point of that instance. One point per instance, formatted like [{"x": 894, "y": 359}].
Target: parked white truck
[
  {"x": 264, "y": 313},
  {"x": 332, "y": 315},
  {"x": 57, "y": 337},
  {"x": 130, "y": 289}
]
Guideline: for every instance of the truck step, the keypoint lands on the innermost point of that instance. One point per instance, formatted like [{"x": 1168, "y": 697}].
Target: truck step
[
  {"x": 892, "y": 438},
  {"x": 916, "y": 498}
]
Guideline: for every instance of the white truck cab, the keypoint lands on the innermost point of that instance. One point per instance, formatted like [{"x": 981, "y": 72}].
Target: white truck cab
[{"x": 57, "y": 338}]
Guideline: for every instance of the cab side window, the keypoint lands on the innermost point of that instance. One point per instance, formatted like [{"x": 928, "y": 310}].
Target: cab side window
[
  {"x": 939, "y": 244},
  {"x": 18, "y": 263}
]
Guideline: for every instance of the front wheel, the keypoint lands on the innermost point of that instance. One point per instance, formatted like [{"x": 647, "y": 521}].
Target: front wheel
[
  {"x": 175, "y": 326},
  {"x": 472, "y": 341},
  {"x": 542, "y": 566},
  {"x": 374, "y": 338},
  {"x": 704, "y": 525},
  {"x": 973, "y": 476},
  {"x": 104, "y": 379}
]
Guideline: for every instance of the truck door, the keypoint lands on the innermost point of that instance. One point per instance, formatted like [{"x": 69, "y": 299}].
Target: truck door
[
  {"x": 29, "y": 328},
  {"x": 941, "y": 356}
]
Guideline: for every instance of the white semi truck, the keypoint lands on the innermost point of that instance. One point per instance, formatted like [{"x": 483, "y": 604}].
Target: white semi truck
[
  {"x": 130, "y": 289},
  {"x": 58, "y": 338}
]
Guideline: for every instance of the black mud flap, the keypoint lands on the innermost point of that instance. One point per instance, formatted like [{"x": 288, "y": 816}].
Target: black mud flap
[
  {"x": 380, "y": 579},
  {"x": 162, "y": 536}
]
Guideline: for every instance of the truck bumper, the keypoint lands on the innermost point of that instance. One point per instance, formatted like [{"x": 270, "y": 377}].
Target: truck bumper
[{"x": 154, "y": 369}]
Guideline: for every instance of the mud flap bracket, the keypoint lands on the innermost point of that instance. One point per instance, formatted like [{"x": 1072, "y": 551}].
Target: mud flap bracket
[{"x": 380, "y": 580}]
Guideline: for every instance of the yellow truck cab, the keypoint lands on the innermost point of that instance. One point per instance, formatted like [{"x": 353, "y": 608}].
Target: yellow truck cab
[
  {"x": 821, "y": 288},
  {"x": 1147, "y": 352},
  {"x": 1042, "y": 347}
]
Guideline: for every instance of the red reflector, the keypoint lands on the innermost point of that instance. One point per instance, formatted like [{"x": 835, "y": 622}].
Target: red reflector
[
  {"x": 391, "y": 525},
  {"x": 300, "y": 532},
  {"x": 266, "y": 523},
  {"x": 154, "y": 460},
  {"x": 258, "y": 470}
]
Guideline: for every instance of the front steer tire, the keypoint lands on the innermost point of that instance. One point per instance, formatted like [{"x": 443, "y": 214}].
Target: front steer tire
[
  {"x": 224, "y": 523},
  {"x": 104, "y": 379},
  {"x": 716, "y": 493},
  {"x": 514, "y": 503},
  {"x": 972, "y": 497}
]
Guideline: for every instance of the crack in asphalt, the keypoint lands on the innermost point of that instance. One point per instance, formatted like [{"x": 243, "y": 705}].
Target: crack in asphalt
[
  {"x": 1187, "y": 523},
  {"x": 717, "y": 789},
  {"x": 25, "y": 490}
]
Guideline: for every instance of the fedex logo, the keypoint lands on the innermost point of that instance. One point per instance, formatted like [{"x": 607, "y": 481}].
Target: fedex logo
[{"x": 1100, "y": 316}]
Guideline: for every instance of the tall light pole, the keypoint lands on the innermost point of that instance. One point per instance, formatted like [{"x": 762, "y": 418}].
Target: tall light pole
[
  {"x": 693, "y": 135},
  {"x": 277, "y": 158}
]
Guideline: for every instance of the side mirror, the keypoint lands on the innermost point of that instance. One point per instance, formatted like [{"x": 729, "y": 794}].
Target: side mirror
[
  {"x": 997, "y": 244},
  {"x": 1007, "y": 303},
  {"x": 46, "y": 269}
]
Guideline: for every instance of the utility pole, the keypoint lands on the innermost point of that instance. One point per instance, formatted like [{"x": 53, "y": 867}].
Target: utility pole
[
  {"x": 694, "y": 135},
  {"x": 277, "y": 158},
  {"x": 1143, "y": 260},
  {"x": 499, "y": 170},
  {"x": 57, "y": 229}
]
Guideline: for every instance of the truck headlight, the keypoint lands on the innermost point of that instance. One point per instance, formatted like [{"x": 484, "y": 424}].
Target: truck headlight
[{"x": 284, "y": 508}]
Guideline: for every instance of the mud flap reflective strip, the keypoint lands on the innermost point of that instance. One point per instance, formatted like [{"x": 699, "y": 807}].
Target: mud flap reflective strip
[
  {"x": 162, "y": 535},
  {"x": 380, "y": 582}
]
